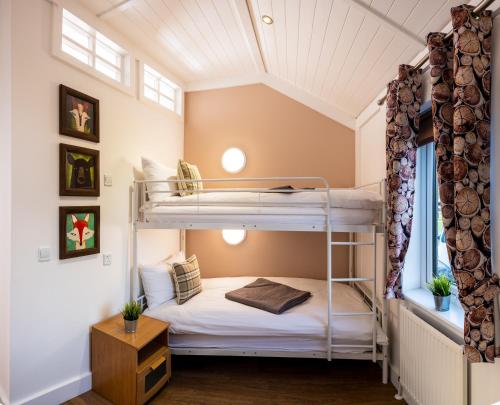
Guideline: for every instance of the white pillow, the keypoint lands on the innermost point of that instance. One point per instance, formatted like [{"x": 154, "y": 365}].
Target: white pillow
[
  {"x": 155, "y": 171},
  {"x": 157, "y": 280}
]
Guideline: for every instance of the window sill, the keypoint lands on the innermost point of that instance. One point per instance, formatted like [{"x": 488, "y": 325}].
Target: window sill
[{"x": 451, "y": 322}]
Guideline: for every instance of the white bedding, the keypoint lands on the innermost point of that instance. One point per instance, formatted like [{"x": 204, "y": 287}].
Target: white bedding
[
  {"x": 210, "y": 320},
  {"x": 348, "y": 207},
  {"x": 339, "y": 198}
]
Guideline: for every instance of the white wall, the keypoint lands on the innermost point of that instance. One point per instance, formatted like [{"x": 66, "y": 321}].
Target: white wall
[
  {"x": 54, "y": 303},
  {"x": 5, "y": 199}
]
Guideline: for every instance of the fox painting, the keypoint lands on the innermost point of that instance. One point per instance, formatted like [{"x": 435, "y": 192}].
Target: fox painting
[
  {"x": 81, "y": 234},
  {"x": 79, "y": 228}
]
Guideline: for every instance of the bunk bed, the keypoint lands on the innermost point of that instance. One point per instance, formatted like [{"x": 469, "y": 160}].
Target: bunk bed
[{"x": 344, "y": 319}]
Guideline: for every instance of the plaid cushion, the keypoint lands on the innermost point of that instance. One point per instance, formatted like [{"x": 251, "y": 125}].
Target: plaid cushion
[
  {"x": 187, "y": 171},
  {"x": 187, "y": 279}
]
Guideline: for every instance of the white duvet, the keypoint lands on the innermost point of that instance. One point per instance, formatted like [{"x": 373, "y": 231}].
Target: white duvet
[
  {"x": 339, "y": 198},
  {"x": 210, "y": 313}
]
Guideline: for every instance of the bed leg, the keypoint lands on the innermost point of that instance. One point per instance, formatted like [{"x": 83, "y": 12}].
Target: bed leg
[{"x": 385, "y": 365}]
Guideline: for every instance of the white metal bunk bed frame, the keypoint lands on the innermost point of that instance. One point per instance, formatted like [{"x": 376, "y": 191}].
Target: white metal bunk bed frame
[{"x": 378, "y": 312}]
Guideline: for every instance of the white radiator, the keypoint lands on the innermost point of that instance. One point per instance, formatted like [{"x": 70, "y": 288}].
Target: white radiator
[{"x": 432, "y": 368}]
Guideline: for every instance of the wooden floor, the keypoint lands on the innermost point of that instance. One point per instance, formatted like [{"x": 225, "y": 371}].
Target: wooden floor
[{"x": 247, "y": 380}]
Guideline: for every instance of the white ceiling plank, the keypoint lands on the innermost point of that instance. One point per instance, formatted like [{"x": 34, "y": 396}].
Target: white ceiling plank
[
  {"x": 218, "y": 28},
  {"x": 423, "y": 12},
  {"x": 380, "y": 41},
  {"x": 292, "y": 15},
  {"x": 280, "y": 34},
  {"x": 383, "y": 19},
  {"x": 189, "y": 15},
  {"x": 374, "y": 45},
  {"x": 177, "y": 33},
  {"x": 307, "y": 12},
  {"x": 321, "y": 21},
  {"x": 166, "y": 38},
  {"x": 352, "y": 25},
  {"x": 234, "y": 35},
  {"x": 241, "y": 12},
  {"x": 334, "y": 31},
  {"x": 266, "y": 34},
  {"x": 361, "y": 46}
]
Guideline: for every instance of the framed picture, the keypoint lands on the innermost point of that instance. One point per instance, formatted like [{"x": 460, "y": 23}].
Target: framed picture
[
  {"x": 78, "y": 231},
  {"x": 78, "y": 114},
  {"x": 78, "y": 171}
]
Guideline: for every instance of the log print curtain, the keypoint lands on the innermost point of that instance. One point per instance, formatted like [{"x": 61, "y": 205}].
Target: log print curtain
[
  {"x": 403, "y": 109},
  {"x": 460, "y": 75}
]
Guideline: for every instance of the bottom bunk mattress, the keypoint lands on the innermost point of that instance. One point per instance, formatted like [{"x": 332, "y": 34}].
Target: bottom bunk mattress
[{"x": 209, "y": 320}]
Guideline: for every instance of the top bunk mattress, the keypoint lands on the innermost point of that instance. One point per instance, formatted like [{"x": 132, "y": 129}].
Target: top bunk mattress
[{"x": 339, "y": 198}]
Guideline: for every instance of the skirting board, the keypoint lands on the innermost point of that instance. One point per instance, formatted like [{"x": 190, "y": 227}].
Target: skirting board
[{"x": 59, "y": 393}]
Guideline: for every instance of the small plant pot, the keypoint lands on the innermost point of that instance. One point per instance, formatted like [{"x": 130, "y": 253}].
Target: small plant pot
[
  {"x": 130, "y": 326},
  {"x": 442, "y": 303}
]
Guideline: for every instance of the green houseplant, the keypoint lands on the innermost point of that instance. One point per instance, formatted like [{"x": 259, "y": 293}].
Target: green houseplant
[
  {"x": 131, "y": 312},
  {"x": 441, "y": 289}
]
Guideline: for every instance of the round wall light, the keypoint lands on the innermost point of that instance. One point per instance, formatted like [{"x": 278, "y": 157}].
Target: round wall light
[
  {"x": 233, "y": 160},
  {"x": 234, "y": 236}
]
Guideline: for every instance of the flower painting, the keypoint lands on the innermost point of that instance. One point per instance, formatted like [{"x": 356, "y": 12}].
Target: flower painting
[
  {"x": 79, "y": 231},
  {"x": 78, "y": 171},
  {"x": 78, "y": 114}
]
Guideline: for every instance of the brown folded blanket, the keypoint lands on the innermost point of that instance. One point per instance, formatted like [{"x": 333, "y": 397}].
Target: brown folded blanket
[{"x": 268, "y": 296}]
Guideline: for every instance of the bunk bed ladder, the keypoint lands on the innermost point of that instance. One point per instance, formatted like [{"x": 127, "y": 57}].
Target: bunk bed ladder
[{"x": 351, "y": 279}]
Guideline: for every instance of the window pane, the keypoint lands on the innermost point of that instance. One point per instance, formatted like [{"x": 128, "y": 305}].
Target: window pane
[
  {"x": 77, "y": 52},
  {"x": 76, "y": 34},
  {"x": 107, "y": 69},
  {"x": 150, "y": 93},
  {"x": 442, "y": 261},
  {"x": 167, "y": 90},
  {"x": 166, "y": 102},
  {"x": 149, "y": 80},
  {"x": 108, "y": 54}
]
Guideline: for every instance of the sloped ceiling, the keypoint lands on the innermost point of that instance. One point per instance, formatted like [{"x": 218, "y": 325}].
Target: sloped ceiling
[{"x": 333, "y": 55}]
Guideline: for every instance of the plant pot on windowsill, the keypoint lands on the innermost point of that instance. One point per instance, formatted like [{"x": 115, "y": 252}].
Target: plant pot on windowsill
[
  {"x": 131, "y": 313},
  {"x": 441, "y": 290}
]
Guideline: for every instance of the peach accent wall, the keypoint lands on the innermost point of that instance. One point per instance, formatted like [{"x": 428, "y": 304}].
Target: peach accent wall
[{"x": 280, "y": 137}]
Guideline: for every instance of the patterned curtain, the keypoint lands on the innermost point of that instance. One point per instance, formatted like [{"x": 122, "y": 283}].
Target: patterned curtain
[
  {"x": 403, "y": 112},
  {"x": 460, "y": 75}
]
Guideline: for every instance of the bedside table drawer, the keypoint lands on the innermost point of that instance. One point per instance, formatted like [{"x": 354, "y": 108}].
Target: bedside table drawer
[{"x": 152, "y": 377}]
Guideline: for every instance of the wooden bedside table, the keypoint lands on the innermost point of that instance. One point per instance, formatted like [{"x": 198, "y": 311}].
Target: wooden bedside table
[{"x": 129, "y": 368}]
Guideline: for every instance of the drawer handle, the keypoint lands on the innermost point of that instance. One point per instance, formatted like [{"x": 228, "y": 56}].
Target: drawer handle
[{"x": 157, "y": 363}]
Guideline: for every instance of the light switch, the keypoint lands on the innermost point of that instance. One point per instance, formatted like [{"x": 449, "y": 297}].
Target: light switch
[
  {"x": 43, "y": 254},
  {"x": 108, "y": 180},
  {"x": 106, "y": 259}
]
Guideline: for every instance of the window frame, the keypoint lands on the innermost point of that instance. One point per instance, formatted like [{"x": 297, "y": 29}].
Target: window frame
[
  {"x": 426, "y": 170},
  {"x": 178, "y": 100},
  {"x": 127, "y": 71}
]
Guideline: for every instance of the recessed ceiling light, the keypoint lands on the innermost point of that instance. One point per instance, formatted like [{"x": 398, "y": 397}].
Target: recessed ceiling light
[{"x": 267, "y": 20}]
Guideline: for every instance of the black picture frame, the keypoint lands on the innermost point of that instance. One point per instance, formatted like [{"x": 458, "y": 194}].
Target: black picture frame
[
  {"x": 80, "y": 228},
  {"x": 84, "y": 178},
  {"x": 78, "y": 120}
]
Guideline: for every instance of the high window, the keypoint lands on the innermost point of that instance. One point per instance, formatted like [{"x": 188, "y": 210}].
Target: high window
[
  {"x": 90, "y": 47},
  {"x": 161, "y": 90}
]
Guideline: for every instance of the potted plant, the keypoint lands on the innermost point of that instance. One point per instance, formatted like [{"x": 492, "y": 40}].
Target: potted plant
[
  {"x": 441, "y": 289},
  {"x": 131, "y": 312}
]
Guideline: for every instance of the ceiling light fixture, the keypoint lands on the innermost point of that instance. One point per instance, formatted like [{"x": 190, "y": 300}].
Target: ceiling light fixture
[{"x": 267, "y": 19}]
